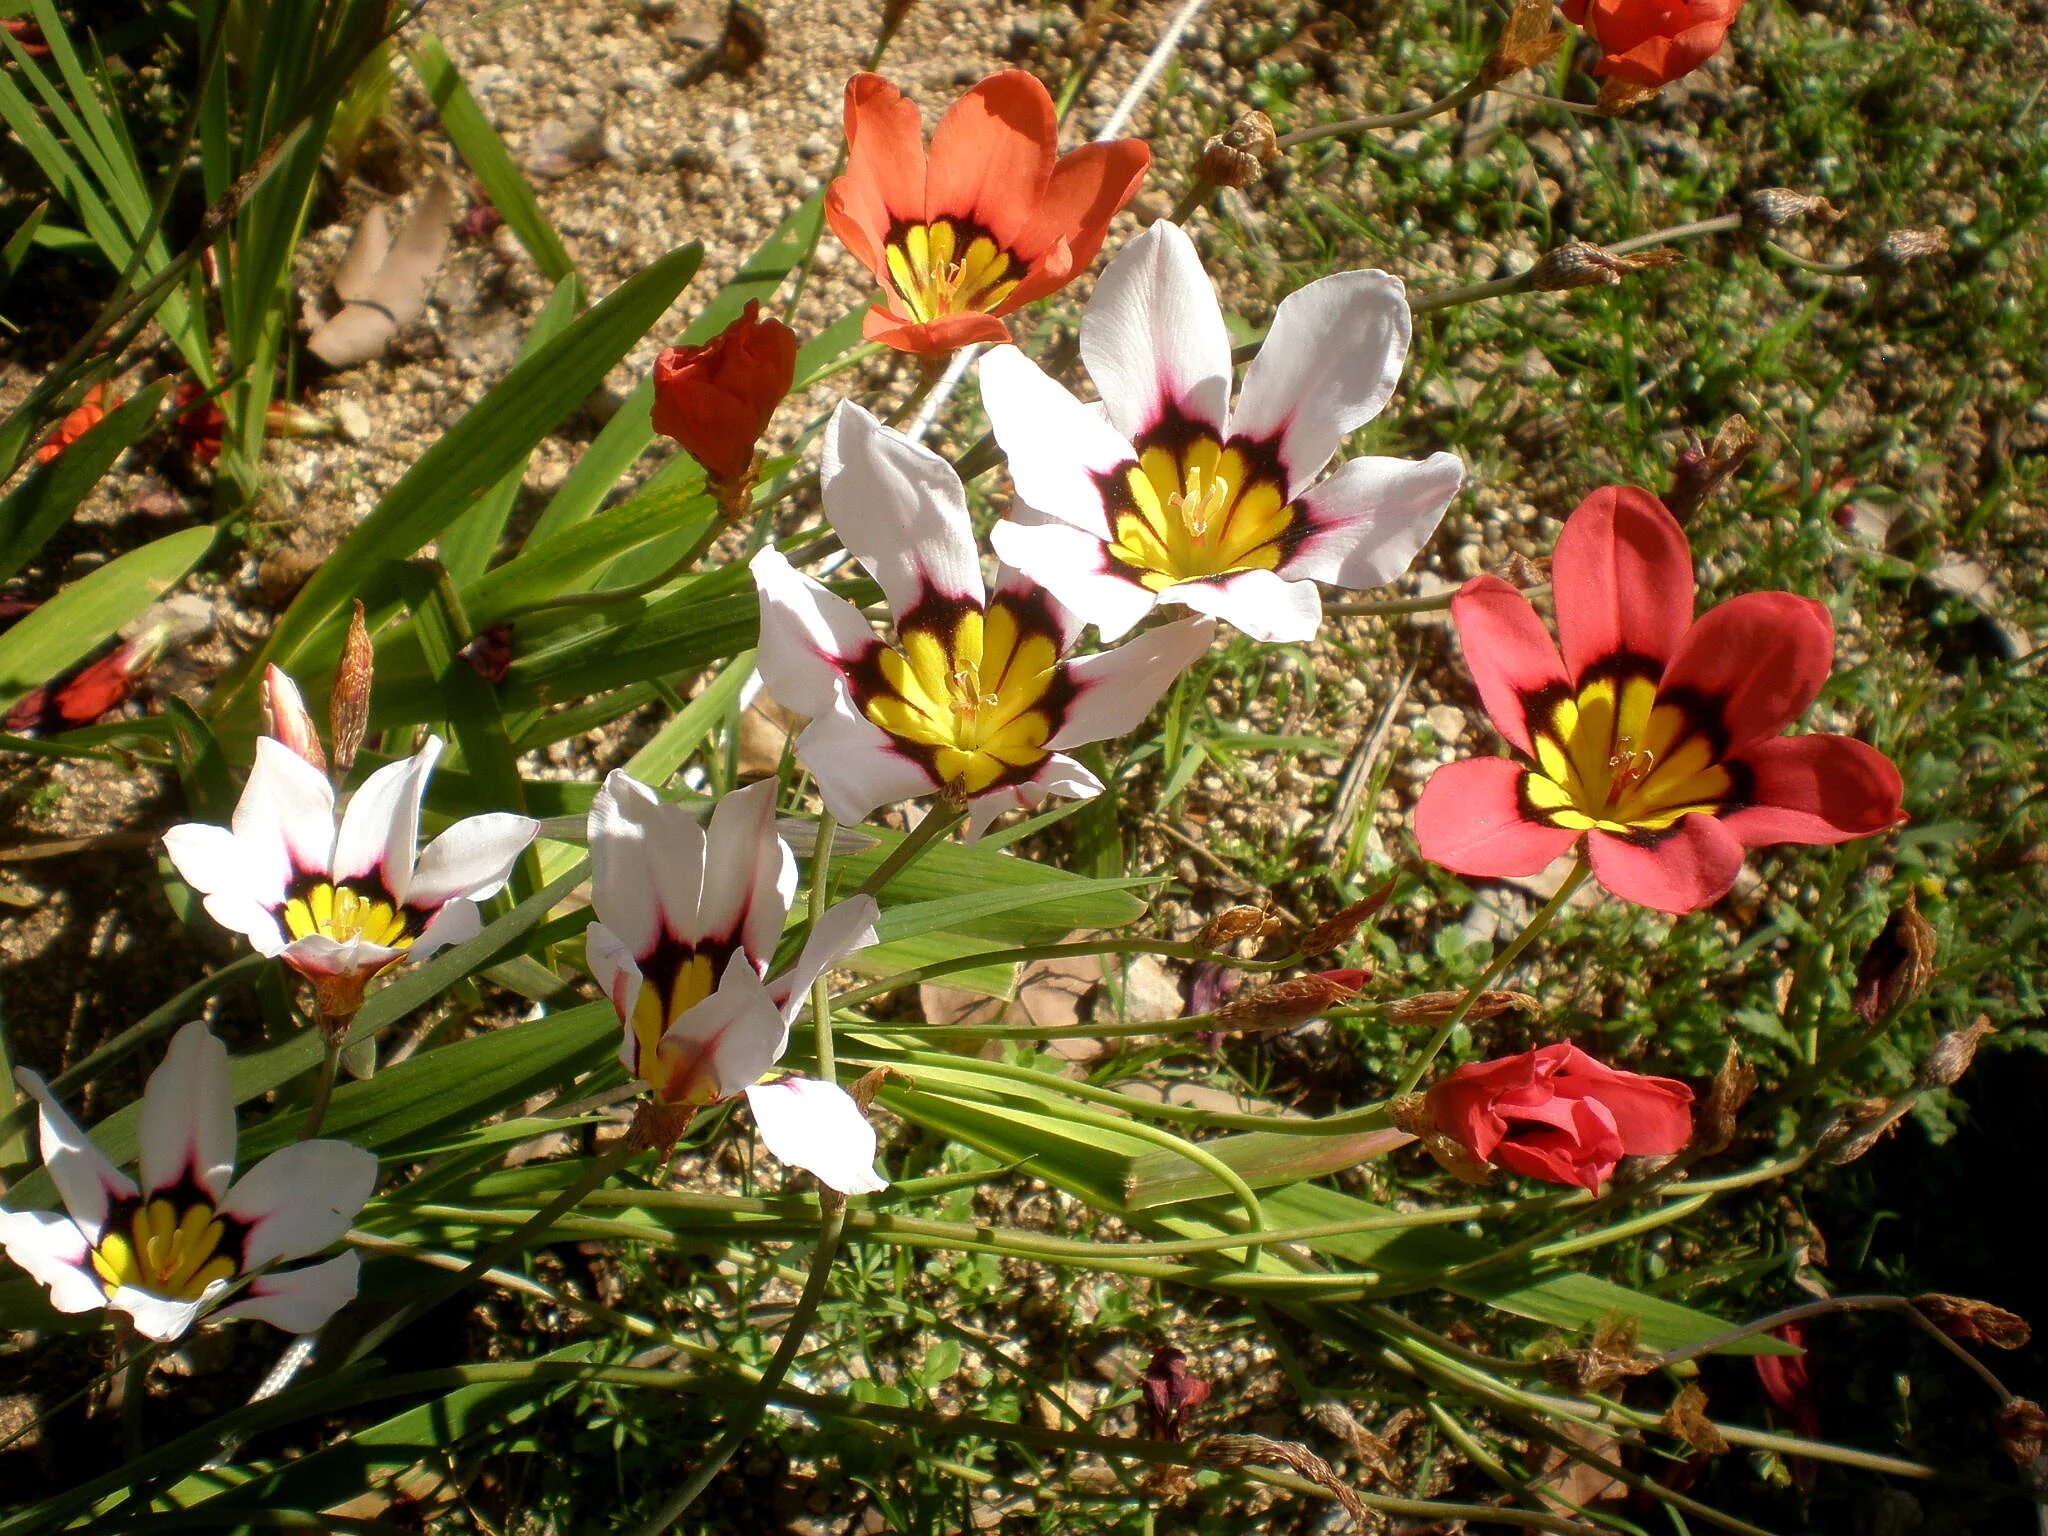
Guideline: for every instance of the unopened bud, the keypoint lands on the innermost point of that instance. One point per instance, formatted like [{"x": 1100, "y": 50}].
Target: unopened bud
[
  {"x": 1235, "y": 157},
  {"x": 1687, "y": 1420},
  {"x": 1435, "y": 1007},
  {"x": 287, "y": 418},
  {"x": 348, "y": 712},
  {"x": 1897, "y": 966},
  {"x": 1702, "y": 468},
  {"x": 1234, "y": 923},
  {"x": 1285, "y": 1004},
  {"x": 2022, "y": 1426},
  {"x": 1333, "y": 931},
  {"x": 1781, "y": 207},
  {"x": 286, "y": 719},
  {"x": 1951, "y": 1056},
  {"x": 1975, "y": 1322},
  {"x": 1856, "y": 1128},
  {"x": 1901, "y": 248},
  {"x": 1576, "y": 264},
  {"x": 1530, "y": 38}
]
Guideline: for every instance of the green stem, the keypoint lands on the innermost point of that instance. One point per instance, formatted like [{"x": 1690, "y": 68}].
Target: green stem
[
  {"x": 936, "y": 824},
  {"x": 323, "y": 1091},
  {"x": 134, "y": 1391},
  {"x": 1442, "y": 104},
  {"x": 1494, "y": 972},
  {"x": 821, "y": 994},
  {"x": 1198, "y": 190},
  {"x": 1164, "y": 948}
]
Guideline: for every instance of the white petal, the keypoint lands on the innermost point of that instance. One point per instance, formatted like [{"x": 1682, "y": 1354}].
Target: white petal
[
  {"x": 84, "y": 1178},
  {"x": 1055, "y": 445},
  {"x": 724, "y": 1043},
  {"x": 243, "y": 884},
  {"x": 1057, "y": 775},
  {"x": 472, "y": 858},
  {"x": 457, "y": 922},
  {"x": 1115, "y": 690},
  {"x": 55, "y": 1253},
  {"x": 857, "y": 764},
  {"x": 300, "y": 1199},
  {"x": 1328, "y": 366},
  {"x": 900, "y": 509},
  {"x": 1263, "y": 605},
  {"x": 380, "y": 829},
  {"x": 808, "y": 635},
  {"x": 845, "y": 927},
  {"x": 299, "y": 1300},
  {"x": 318, "y": 955},
  {"x": 618, "y": 977},
  {"x": 749, "y": 872},
  {"x": 252, "y": 920},
  {"x": 1153, "y": 335},
  {"x": 647, "y": 865},
  {"x": 1071, "y": 565},
  {"x": 285, "y": 818},
  {"x": 161, "y": 1319},
  {"x": 1371, "y": 518},
  {"x": 817, "y": 1127},
  {"x": 188, "y": 1116}
]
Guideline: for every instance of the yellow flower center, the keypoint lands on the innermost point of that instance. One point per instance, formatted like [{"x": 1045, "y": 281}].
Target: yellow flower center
[
  {"x": 342, "y": 913},
  {"x": 1618, "y": 758},
  {"x": 1195, "y": 511},
  {"x": 167, "y": 1248},
  {"x": 944, "y": 268},
  {"x": 674, "y": 980},
  {"x": 975, "y": 697}
]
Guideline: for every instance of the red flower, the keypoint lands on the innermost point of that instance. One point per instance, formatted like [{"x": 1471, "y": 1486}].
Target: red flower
[
  {"x": 994, "y": 218},
  {"x": 1655, "y": 737},
  {"x": 1653, "y": 42},
  {"x": 716, "y": 400},
  {"x": 1557, "y": 1114},
  {"x": 1172, "y": 1393},
  {"x": 81, "y": 696},
  {"x": 92, "y": 410},
  {"x": 200, "y": 423}
]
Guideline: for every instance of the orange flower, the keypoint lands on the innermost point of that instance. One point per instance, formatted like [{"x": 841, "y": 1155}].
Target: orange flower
[
  {"x": 716, "y": 400},
  {"x": 92, "y": 410},
  {"x": 993, "y": 218},
  {"x": 1650, "y": 43}
]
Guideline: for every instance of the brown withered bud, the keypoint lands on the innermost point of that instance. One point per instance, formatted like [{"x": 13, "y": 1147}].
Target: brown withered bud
[
  {"x": 287, "y": 720},
  {"x": 1235, "y": 157},
  {"x": 1781, "y": 207},
  {"x": 1333, "y": 1418},
  {"x": 1975, "y": 1322},
  {"x": 1234, "y": 923},
  {"x": 1857, "y": 1127},
  {"x": 1610, "y": 1358},
  {"x": 1576, "y": 264},
  {"x": 1901, "y": 248},
  {"x": 1702, "y": 468},
  {"x": 1951, "y": 1056},
  {"x": 1529, "y": 39},
  {"x": 1435, "y": 1007},
  {"x": 2022, "y": 1426},
  {"x": 1285, "y": 1004},
  {"x": 1520, "y": 571},
  {"x": 1333, "y": 931},
  {"x": 1897, "y": 966},
  {"x": 869, "y": 1085},
  {"x": 1713, "y": 1125},
  {"x": 348, "y": 712},
  {"x": 1410, "y": 1112},
  {"x": 1172, "y": 1393},
  {"x": 657, "y": 1127},
  {"x": 1618, "y": 95},
  {"x": 1687, "y": 1420}
]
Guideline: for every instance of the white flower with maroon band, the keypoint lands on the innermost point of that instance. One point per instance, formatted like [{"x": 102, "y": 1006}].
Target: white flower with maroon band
[
  {"x": 976, "y": 700},
  {"x": 341, "y": 903},
  {"x": 1164, "y": 494},
  {"x": 688, "y": 920},
  {"x": 167, "y": 1247}
]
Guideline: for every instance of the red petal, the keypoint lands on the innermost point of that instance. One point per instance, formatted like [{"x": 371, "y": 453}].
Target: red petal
[
  {"x": 948, "y": 333},
  {"x": 1690, "y": 867},
  {"x": 1758, "y": 660},
  {"x": 1622, "y": 573},
  {"x": 992, "y": 156},
  {"x": 1470, "y": 819},
  {"x": 1653, "y": 1114},
  {"x": 1052, "y": 271},
  {"x": 1512, "y": 657},
  {"x": 1660, "y": 60},
  {"x": 1087, "y": 189},
  {"x": 1815, "y": 789}
]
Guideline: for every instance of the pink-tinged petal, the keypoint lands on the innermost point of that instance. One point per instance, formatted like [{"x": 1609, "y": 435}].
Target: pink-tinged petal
[
  {"x": 817, "y": 1127},
  {"x": 318, "y": 955},
  {"x": 808, "y": 636},
  {"x": 1072, "y": 565},
  {"x": 857, "y": 764},
  {"x": 647, "y": 865},
  {"x": 1115, "y": 690},
  {"x": 1622, "y": 574},
  {"x": 1815, "y": 789},
  {"x": 85, "y": 1180},
  {"x": 612, "y": 967},
  {"x": 900, "y": 510},
  {"x": 1512, "y": 657},
  {"x": 992, "y": 154},
  {"x": 1263, "y": 604},
  {"x": 244, "y": 878},
  {"x": 749, "y": 872},
  {"x": 1687, "y": 868},
  {"x": 1059, "y": 775},
  {"x": 1329, "y": 365},
  {"x": 188, "y": 1116},
  {"x": 472, "y": 859},
  {"x": 159, "y": 1319},
  {"x": 300, "y": 1199},
  {"x": 1153, "y": 335},
  {"x": 284, "y": 820},
  {"x": 845, "y": 927},
  {"x": 727, "y": 1041},
  {"x": 299, "y": 1300},
  {"x": 456, "y": 922},
  {"x": 1753, "y": 664},
  {"x": 1054, "y": 444},
  {"x": 55, "y": 1254},
  {"x": 380, "y": 829},
  {"x": 1470, "y": 820},
  {"x": 1369, "y": 520}
]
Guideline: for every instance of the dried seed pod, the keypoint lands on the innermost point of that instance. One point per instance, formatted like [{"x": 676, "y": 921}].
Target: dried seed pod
[
  {"x": 1714, "y": 1123},
  {"x": 1687, "y": 1420},
  {"x": 1857, "y": 1127},
  {"x": 348, "y": 712},
  {"x": 1702, "y": 468},
  {"x": 869, "y": 1085},
  {"x": 1235, "y": 157},
  {"x": 1285, "y": 1004},
  {"x": 1338, "y": 929},
  {"x": 1897, "y": 966},
  {"x": 1975, "y": 1322},
  {"x": 1951, "y": 1056},
  {"x": 2022, "y": 1426},
  {"x": 1781, "y": 207},
  {"x": 1435, "y": 1007},
  {"x": 1611, "y": 1357},
  {"x": 1576, "y": 264},
  {"x": 1247, "y": 1450},
  {"x": 657, "y": 1126},
  {"x": 1234, "y": 923},
  {"x": 1901, "y": 248},
  {"x": 1529, "y": 39}
]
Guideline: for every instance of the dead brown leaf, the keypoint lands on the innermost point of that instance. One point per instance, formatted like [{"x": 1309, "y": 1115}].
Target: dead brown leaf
[{"x": 382, "y": 281}]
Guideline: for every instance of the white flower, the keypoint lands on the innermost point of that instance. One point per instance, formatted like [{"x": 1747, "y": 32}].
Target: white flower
[
  {"x": 978, "y": 701},
  {"x": 165, "y": 1251},
  {"x": 688, "y": 922},
  {"x": 1163, "y": 494},
  {"x": 340, "y": 904}
]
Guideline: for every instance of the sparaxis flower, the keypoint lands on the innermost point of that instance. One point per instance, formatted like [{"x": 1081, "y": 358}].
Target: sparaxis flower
[
  {"x": 716, "y": 400},
  {"x": 1164, "y": 494},
  {"x": 1646, "y": 44},
  {"x": 977, "y": 700},
  {"x": 689, "y": 918},
  {"x": 89, "y": 413},
  {"x": 166, "y": 1247}
]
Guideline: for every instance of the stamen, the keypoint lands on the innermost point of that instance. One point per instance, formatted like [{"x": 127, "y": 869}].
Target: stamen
[
  {"x": 969, "y": 698},
  {"x": 1201, "y": 503},
  {"x": 1627, "y": 766}
]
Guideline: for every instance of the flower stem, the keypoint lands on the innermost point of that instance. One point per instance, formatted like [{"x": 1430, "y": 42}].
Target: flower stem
[
  {"x": 1450, "y": 103},
  {"x": 821, "y": 994},
  {"x": 1493, "y": 973},
  {"x": 132, "y": 1388},
  {"x": 323, "y": 1090},
  {"x": 936, "y": 824}
]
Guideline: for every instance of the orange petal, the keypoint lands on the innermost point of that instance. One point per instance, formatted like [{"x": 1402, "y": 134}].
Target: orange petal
[
  {"x": 948, "y": 333},
  {"x": 992, "y": 155},
  {"x": 1087, "y": 189},
  {"x": 1051, "y": 272},
  {"x": 885, "y": 163}
]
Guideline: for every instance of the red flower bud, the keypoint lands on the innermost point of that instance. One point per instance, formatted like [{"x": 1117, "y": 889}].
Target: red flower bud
[
  {"x": 716, "y": 400},
  {"x": 1557, "y": 1114},
  {"x": 1171, "y": 1393},
  {"x": 1652, "y": 42},
  {"x": 287, "y": 720},
  {"x": 201, "y": 423},
  {"x": 92, "y": 410}
]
